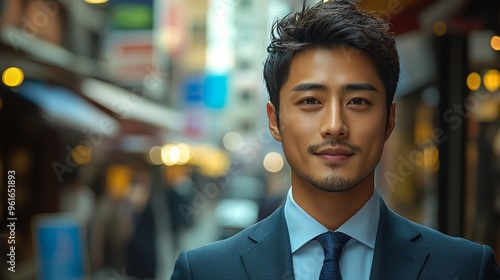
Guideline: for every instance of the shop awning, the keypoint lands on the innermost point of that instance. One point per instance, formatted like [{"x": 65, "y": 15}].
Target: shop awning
[
  {"x": 128, "y": 105},
  {"x": 62, "y": 106}
]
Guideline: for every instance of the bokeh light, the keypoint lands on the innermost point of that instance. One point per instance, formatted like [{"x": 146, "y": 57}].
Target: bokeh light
[
  {"x": 491, "y": 80},
  {"x": 185, "y": 153},
  {"x": 169, "y": 154},
  {"x": 473, "y": 81},
  {"x": 440, "y": 28},
  {"x": 273, "y": 162},
  {"x": 81, "y": 154},
  {"x": 495, "y": 43},
  {"x": 232, "y": 141},
  {"x": 431, "y": 159},
  {"x": 154, "y": 155},
  {"x": 118, "y": 180},
  {"x": 12, "y": 76}
]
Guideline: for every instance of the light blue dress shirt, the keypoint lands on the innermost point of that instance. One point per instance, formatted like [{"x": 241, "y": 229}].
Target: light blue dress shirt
[{"x": 307, "y": 253}]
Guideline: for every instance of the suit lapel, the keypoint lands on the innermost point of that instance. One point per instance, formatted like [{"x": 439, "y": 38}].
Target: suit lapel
[
  {"x": 396, "y": 255},
  {"x": 270, "y": 257}
]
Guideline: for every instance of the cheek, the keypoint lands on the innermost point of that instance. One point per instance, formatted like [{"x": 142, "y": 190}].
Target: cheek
[
  {"x": 372, "y": 134},
  {"x": 293, "y": 123}
]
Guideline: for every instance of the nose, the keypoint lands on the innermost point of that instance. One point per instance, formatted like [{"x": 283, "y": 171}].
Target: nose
[{"x": 333, "y": 122}]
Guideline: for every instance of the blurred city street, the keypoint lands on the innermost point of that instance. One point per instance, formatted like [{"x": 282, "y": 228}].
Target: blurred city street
[{"x": 134, "y": 130}]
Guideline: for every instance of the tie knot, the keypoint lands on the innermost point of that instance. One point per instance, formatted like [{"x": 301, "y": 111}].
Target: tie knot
[{"x": 333, "y": 243}]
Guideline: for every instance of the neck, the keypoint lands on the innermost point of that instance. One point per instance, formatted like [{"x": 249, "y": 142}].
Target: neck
[{"x": 332, "y": 209}]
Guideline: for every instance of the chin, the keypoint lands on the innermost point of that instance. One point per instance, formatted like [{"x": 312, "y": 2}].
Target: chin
[{"x": 333, "y": 183}]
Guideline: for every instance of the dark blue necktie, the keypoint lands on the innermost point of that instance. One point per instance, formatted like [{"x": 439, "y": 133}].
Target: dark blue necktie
[{"x": 332, "y": 243}]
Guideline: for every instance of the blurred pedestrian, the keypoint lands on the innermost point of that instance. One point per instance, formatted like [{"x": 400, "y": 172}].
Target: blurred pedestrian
[
  {"x": 180, "y": 193},
  {"x": 76, "y": 197},
  {"x": 141, "y": 255},
  {"x": 331, "y": 73}
]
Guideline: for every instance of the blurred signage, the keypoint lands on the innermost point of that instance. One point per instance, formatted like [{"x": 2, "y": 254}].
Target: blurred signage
[
  {"x": 193, "y": 89},
  {"x": 196, "y": 123},
  {"x": 208, "y": 90},
  {"x": 172, "y": 27},
  {"x": 129, "y": 55},
  {"x": 131, "y": 16},
  {"x": 215, "y": 91},
  {"x": 60, "y": 247}
]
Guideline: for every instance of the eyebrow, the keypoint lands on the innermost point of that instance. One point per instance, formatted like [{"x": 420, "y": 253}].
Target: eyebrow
[
  {"x": 348, "y": 87},
  {"x": 361, "y": 86},
  {"x": 309, "y": 86}
]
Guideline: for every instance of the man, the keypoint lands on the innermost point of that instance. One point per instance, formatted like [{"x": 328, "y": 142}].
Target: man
[{"x": 331, "y": 73}]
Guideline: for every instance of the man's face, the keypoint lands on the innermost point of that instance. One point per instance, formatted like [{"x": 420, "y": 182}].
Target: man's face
[{"x": 333, "y": 119}]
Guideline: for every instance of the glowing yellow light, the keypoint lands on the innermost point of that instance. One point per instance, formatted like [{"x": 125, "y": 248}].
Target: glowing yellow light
[
  {"x": 495, "y": 43},
  {"x": 440, "y": 28},
  {"x": 491, "y": 80},
  {"x": 473, "y": 81},
  {"x": 154, "y": 155},
  {"x": 273, "y": 162},
  {"x": 12, "y": 76},
  {"x": 487, "y": 111},
  {"x": 174, "y": 154},
  {"x": 169, "y": 154},
  {"x": 232, "y": 141},
  {"x": 210, "y": 160},
  {"x": 215, "y": 164},
  {"x": 96, "y": 1},
  {"x": 423, "y": 130},
  {"x": 431, "y": 159},
  {"x": 81, "y": 154},
  {"x": 118, "y": 180},
  {"x": 185, "y": 153}
]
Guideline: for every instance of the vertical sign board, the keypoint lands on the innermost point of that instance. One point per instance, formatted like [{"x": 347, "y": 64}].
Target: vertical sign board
[
  {"x": 193, "y": 96},
  {"x": 216, "y": 87},
  {"x": 60, "y": 247},
  {"x": 203, "y": 92}
]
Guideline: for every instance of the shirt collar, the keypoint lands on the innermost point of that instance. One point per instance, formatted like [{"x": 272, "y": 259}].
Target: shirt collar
[{"x": 362, "y": 226}]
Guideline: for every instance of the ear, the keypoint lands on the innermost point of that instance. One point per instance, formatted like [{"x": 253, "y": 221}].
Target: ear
[
  {"x": 273, "y": 121},
  {"x": 391, "y": 121}
]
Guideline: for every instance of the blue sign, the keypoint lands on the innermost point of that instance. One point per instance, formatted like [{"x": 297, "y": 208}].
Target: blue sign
[
  {"x": 216, "y": 87},
  {"x": 60, "y": 248},
  {"x": 193, "y": 89}
]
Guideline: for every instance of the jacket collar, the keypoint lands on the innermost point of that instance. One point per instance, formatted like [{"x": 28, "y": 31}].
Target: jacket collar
[
  {"x": 270, "y": 257},
  {"x": 396, "y": 254}
]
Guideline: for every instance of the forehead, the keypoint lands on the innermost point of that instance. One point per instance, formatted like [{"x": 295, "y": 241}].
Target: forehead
[{"x": 333, "y": 67}]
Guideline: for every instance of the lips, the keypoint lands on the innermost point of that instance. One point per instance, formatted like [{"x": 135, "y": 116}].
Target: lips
[{"x": 334, "y": 154}]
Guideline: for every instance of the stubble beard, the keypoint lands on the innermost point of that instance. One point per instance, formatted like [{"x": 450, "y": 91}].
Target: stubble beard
[{"x": 332, "y": 183}]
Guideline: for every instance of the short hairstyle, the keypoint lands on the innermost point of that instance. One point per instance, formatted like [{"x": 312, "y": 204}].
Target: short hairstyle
[{"x": 331, "y": 24}]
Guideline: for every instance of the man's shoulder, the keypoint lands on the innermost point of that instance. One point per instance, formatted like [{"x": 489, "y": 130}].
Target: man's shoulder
[
  {"x": 217, "y": 260},
  {"x": 232, "y": 244},
  {"x": 241, "y": 241},
  {"x": 440, "y": 242},
  {"x": 223, "y": 259},
  {"x": 435, "y": 236},
  {"x": 419, "y": 249}
]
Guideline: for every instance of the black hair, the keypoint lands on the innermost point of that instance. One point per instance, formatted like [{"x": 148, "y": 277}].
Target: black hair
[{"x": 331, "y": 24}]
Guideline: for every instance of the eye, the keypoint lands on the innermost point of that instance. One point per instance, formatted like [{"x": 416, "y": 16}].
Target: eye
[
  {"x": 310, "y": 101},
  {"x": 359, "y": 102}
]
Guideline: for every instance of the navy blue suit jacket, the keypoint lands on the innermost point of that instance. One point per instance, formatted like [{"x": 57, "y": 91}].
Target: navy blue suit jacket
[{"x": 403, "y": 250}]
